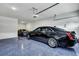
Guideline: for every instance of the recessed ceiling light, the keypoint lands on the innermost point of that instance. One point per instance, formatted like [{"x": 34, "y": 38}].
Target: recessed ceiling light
[{"x": 13, "y": 8}]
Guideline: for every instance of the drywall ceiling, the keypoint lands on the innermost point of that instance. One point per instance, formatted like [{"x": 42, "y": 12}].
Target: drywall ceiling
[{"x": 24, "y": 12}]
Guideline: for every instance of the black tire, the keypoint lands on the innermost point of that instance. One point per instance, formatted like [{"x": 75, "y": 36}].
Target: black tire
[{"x": 52, "y": 42}]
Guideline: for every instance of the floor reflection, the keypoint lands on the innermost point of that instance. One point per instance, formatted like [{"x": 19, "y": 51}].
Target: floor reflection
[{"x": 24, "y": 47}]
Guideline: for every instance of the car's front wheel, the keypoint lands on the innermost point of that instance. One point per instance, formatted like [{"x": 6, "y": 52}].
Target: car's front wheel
[{"x": 52, "y": 42}]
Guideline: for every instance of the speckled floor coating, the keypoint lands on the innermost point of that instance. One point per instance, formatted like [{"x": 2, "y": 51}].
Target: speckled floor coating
[{"x": 24, "y": 47}]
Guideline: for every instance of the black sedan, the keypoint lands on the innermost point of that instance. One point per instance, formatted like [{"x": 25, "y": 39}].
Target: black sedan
[{"x": 54, "y": 37}]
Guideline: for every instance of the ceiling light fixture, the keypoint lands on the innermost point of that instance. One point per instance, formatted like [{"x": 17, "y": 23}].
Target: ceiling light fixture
[
  {"x": 35, "y": 16},
  {"x": 13, "y": 8},
  {"x": 34, "y": 12}
]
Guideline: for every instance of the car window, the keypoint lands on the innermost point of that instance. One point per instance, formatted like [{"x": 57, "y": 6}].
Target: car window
[
  {"x": 49, "y": 30},
  {"x": 58, "y": 29},
  {"x": 52, "y": 30},
  {"x": 37, "y": 30},
  {"x": 46, "y": 30},
  {"x": 43, "y": 30}
]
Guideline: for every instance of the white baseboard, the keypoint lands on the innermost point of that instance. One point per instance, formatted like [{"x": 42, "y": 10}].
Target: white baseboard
[{"x": 7, "y": 35}]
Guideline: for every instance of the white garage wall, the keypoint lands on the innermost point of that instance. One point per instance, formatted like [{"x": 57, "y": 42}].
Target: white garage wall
[
  {"x": 21, "y": 26},
  {"x": 29, "y": 26},
  {"x": 8, "y": 27}
]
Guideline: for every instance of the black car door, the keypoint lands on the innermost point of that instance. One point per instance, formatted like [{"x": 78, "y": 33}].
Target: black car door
[
  {"x": 48, "y": 32},
  {"x": 40, "y": 35}
]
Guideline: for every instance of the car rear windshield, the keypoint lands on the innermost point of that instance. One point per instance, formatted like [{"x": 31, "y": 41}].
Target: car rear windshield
[{"x": 58, "y": 29}]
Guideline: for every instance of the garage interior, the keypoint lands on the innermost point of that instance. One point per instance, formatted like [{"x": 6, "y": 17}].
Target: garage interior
[{"x": 29, "y": 16}]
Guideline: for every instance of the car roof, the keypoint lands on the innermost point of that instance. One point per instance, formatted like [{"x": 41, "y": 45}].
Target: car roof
[
  {"x": 48, "y": 27},
  {"x": 45, "y": 27},
  {"x": 52, "y": 27}
]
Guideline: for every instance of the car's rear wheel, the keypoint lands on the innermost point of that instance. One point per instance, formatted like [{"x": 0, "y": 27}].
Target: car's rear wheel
[{"x": 52, "y": 42}]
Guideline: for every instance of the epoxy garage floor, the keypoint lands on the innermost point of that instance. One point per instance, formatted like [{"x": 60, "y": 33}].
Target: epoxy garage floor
[{"x": 24, "y": 47}]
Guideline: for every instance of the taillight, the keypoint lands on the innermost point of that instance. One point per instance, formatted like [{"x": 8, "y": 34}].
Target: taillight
[{"x": 70, "y": 36}]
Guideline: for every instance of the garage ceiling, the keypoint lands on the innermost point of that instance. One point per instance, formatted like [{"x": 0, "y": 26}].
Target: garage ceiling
[{"x": 24, "y": 11}]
